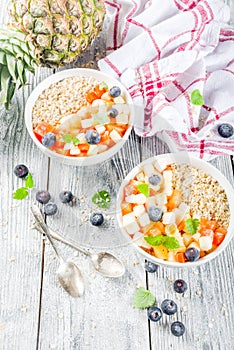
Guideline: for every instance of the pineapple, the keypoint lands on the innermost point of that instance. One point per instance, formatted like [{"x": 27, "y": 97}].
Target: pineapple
[{"x": 49, "y": 33}]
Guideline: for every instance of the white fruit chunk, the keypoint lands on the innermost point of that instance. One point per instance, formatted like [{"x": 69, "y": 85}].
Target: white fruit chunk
[
  {"x": 128, "y": 219},
  {"x": 205, "y": 243},
  {"x": 74, "y": 151},
  {"x": 132, "y": 227},
  {"x": 115, "y": 136},
  {"x": 144, "y": 219},
  {"x": 138, "y": 210},
  {"x": 149, "y": 169},
  {"x": 167, "y": 176},
  {"x": 100, "y": 128},
  {"x": 122, "y": 119},
  {"x": 140, "y": 198},
  {"x": 168, "y": 218},
  {"x": 86, "y": 123}
]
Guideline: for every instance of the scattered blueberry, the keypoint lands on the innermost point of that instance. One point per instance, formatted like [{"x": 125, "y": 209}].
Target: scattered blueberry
[
  {"x": 96, "y": 219},
  {"x": 150, "y": 267},
  {"x": 155, "y": 213},
  {"x": 154, "y": 313},
  {"x": 50, "y": 208},
  {"x": 92, "y": 137},
  {"x": 177, "y": 328},
  {"x": 21, "y": 170},
  {"x": 66, "y": 196},
  {"x": 225, "y": 130},
  {"x": 192, "y": 254},
  {"x": 43, "y": 197},
  {"x": 48, "y": 140},
  {"x": 155, "y": 179},
  {"x": 169, "y": 307},
  {"x": 180, "y": 286},
  {"x": 113, "y": 112},
  {"x": 115, "y": 91}
]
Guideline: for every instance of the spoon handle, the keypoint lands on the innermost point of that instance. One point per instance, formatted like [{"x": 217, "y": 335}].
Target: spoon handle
[{"x": 40, "y": 221}]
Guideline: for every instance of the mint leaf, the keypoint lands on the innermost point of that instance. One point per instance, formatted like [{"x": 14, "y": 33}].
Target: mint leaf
[
  {"x": 75, "y": 141},
  {"x": 102, "y": 199},
  {"x": 103, "y": 86},
  {"x": 21, "y": 193},
  {"x": 167, "y": 241},
  {"x": 29, "y": 181},
  {"x": 192, "y": 225},
  {"x": 142, "y": 299},
  {"x": 144, "y": 188},
  {"x": 196, "y": 98},
  {"x": 154, "y": 240},
  {"x": 67, "y": 138}
]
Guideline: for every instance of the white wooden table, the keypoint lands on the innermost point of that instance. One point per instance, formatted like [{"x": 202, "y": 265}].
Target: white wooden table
[{"x": 36, "y": 314}]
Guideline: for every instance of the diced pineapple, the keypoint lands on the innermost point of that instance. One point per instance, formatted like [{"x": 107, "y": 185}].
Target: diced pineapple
[
  {"x": 140, "y": 198},
  {"x": 106, "y": 96},
  {"x": 86, "y": 123},
  {"x": 138, "y": 210},
  {"x": 161, "y": 252},
  {"x": 196, "y": 236},
  {"x": 119, "y": 100},
  {"x": 171, "y": 230},
  {"x": 140, "y": 176},
  {"x": 122, "y": 119},
  {"x": 146, "y": 229},
  {"x": 171, "y": 256},
  {"x": 138, "y": 238},
  {"x": 144, "y": 219},
  {"x": 167, "y": 176},
  {"x": 98, "y": 102},
  {"x": 160, "y": 165},
  {"x": 180, "y": 212},
  {"x": 161, "y": 199},
  {"x": 187, "y": 238},
  {"x": 194, "y": 245}
]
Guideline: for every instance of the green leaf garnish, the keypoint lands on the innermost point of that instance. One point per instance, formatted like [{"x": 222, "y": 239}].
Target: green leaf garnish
[
  {"x": 103, "y": 86},
  {"x": 21, "y": 193},
  {"x": 142, "y": 299},
  {"x": 167, "y": 241},
  {"x": 192, "y": 225},
  {"x": 102, "y": 199},
  {"x": 67, "y": 138},
  {"x": 144, "y": 188},
  {"x": 29, "y": 181},
  {"x": 75, "y": 141},
  {"x": 196, "y": 98}
]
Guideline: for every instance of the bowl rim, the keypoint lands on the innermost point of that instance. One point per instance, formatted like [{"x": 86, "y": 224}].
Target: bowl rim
[
  {"x": 58, "y": 76},
  {"x": 210, "y": 170}
]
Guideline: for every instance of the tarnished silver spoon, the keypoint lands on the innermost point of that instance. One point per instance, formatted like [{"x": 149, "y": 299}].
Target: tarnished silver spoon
[
  {"x": 68, "y": 273},
  {"x": 105, "y": 263}
]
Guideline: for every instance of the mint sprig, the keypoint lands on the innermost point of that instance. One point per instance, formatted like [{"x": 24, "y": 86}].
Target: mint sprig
[
  {"x": 102, "y": 199},
  {"x": 196, "y": 98},
  {"x": 68, "y": 138},
  {"x": 103, "y": 86},
  {"x": 144, "y": 188},
  {"x": 192, "y": 226},
  {"x": 142, "y": 299},
  {"x": 167, "y": 241},
  {"x": 22, "y": 192}
]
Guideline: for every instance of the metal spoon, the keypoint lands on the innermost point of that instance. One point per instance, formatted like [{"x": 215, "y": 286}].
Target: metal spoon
[
  {"x": 105, "y": 263},
  {"x": 68, "y": 273}
]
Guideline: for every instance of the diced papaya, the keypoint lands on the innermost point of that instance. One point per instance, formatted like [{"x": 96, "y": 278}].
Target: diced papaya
[
  {"x": 207, "y": 232},
  {"x": 180, "y": 257},
  {"x": 219, "y": 236},
  {"x": 160, "y": 226},
  {"x": 39, "y": 137},
  {"x": 161, "y": 252},
  {"x": 43, "y": 128},
  {"x": 174, "y": 200},
  {"x": 126, "y": 208},
  {"x": 84, "y": 147},
  {"x": 131, "y": 188},
  {"x": 91, "y": 96},
  {"x": 181, "y": 226},
  {"x": 104, "y": 138},
  {"x": 99, "y": 92}
]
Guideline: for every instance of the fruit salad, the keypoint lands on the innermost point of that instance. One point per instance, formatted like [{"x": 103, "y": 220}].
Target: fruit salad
[
  {"x": 174, "y": 212},
  {"x": 80, "y": 117}
]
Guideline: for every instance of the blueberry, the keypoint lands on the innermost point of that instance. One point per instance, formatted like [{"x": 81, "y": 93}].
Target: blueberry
[
  {"x": 155, "y": 213},
  {"x": 154, "y": 313},
  {"x": 96, "y": 219},
  {"x": 150, "y": 267},
  {"x": 50, "y": 208},
  {"x": 113, "y": 112},
  {"x": 180, "y": 286},
  {"x": 177, "y": 328},
  {"x": 48, "y": 140},
  {"x": 192, "y": 254},
  {"x": 21, "y": 170},
  {"x": 155, "y": 179},
  {"x": 169, "y": 307},
  {"x": 225, "y": 130},
  {"x": 43, "y": 197},
  {"x": 115, "y": 91},
  {"x": 92, "y": 137},
  {"x": 66, "y": 196}
]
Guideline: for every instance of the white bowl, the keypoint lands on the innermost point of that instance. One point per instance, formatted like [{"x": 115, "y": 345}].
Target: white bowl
[
  {"x": 80, "y": 161},
  {"x": 182, "y": 158}
]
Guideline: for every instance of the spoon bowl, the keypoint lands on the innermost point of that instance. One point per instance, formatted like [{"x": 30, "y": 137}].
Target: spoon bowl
[
  {"x": 107, "y": 264},
  {"x": 70, "y": 278}
]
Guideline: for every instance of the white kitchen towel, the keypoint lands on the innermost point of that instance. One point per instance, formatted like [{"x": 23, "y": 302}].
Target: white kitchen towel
[{"x": 162, "y": 51}]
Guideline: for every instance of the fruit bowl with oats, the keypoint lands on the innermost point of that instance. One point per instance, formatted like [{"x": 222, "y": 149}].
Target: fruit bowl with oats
[
  {"x": 79, "y": 116},
  {"x": 178, "y": 211}
]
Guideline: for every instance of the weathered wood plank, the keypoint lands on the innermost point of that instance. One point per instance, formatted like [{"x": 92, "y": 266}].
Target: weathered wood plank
[{"x": 207, "y": 307}]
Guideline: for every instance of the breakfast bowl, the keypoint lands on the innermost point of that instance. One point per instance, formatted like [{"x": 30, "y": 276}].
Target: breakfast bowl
[
  {"x": 176, "y": 210},
  {"x": 79, "y": 116}
]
